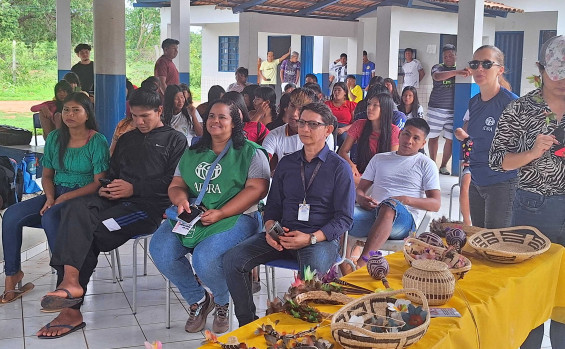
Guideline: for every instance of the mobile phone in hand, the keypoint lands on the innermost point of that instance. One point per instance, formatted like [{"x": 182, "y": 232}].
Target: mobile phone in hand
[
  {"x": 276, "y": 231},
  {"x": 104, "y": 181},
  {"x": 186, "y": 217}
]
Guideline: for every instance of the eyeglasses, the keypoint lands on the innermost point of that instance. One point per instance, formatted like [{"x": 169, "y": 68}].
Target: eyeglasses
[
  {"x": 486, "y": 64},
  {"x": 311, "y": 124}
]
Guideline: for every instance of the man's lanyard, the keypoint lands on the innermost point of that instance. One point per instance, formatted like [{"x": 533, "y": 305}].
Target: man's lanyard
[{"x": 311, "y": 178}]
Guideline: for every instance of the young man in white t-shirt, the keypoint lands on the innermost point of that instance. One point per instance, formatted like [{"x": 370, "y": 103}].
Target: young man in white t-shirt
[
  {"x": 405, "y": 184},
  {"x": 413, "y": 70},
  {"x": 284, "y": 139}
]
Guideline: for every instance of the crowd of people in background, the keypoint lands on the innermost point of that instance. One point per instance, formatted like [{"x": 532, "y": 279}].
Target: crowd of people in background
[{"x": 353, "y": 160}]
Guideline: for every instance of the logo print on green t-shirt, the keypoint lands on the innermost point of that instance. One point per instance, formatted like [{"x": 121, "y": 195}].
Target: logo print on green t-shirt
[{"x": 202, "y": 170}]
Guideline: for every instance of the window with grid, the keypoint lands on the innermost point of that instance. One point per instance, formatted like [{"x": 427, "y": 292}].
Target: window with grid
[{"x": 228, "y": 57}]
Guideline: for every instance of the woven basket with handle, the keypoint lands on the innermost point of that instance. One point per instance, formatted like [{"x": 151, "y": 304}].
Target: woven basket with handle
[
  {"x": 413, "y": 245},
  {"x": 352, "y": 336},
  {"x": 510, "y": 245}
]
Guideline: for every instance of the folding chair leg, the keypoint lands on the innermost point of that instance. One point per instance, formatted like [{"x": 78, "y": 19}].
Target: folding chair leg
[
  {"x": 268, "y": 282},
  {"x": 119, "y": 263},
  {"x": 134, "y": 305},
  {"x": 274, "y": 287},
  {"x": 230, "y": 314},
  {"x": 113, "y": 265},
  {"x": 168, "y": 304},
  {"x": 145, "y": 256}
]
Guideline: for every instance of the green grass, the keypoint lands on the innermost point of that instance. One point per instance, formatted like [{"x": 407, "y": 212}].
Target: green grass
[{"x": 22, "y": 120}]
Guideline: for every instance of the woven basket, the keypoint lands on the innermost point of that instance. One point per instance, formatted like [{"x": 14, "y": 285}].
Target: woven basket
[
  {"x": 510, "y": 245},
  {"x": 323, "y": 297},
  {"x": 468, "y": 229},
  {"x": 432, "y": 278},
  {"x": 412, "y": 245},
  {"x": 351, "y": 336}
]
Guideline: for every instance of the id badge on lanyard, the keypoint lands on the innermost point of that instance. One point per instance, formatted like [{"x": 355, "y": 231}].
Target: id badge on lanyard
[{"x": 304, "y": 208}]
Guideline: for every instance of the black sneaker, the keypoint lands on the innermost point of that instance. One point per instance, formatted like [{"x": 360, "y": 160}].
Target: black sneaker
[
  {"x": 197, "y": 314},
  {"x": 221, "y": 319}
]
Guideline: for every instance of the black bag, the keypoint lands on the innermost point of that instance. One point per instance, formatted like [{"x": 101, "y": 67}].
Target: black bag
[
  {"x": 11, "y": 182},
  {"x": 10, "y": 135}
]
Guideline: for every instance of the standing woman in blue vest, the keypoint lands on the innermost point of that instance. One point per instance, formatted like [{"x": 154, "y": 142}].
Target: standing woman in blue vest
[
  {"x": 75, "y": 157},
  {"x": 491, "y": 193},
  {"x": 228, "y": 175}
]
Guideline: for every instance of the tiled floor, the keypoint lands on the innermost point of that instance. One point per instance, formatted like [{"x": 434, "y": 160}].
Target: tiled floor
[{"x": 107, "y": 309}]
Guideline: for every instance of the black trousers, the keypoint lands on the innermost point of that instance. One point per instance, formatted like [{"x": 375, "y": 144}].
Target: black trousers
[{"x": 82, "y": 235}]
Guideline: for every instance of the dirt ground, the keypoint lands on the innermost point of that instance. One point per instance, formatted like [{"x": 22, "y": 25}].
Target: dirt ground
[{"x": 17, "y": 106}]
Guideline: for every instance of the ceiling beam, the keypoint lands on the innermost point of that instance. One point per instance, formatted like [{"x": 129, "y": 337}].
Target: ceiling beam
[
  {"x": 317, "y": 6},
  {"x": 369, "y": 9},
  {"x": 247, "y": 5}
]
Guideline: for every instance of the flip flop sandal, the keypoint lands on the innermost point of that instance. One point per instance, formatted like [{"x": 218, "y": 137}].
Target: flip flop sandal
[
  {"x": 18, "y": 293},
  {"x": 50, "y": 310},
  {"x": 52, "y": 303},
  {"x": 70, "y": 327}
]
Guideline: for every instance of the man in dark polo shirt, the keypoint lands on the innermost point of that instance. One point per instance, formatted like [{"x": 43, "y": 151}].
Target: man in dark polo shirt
[
  {"x": 85, "y": 68},
  {"x": 312, "y": 196},
  {"x": 165, "y": 69}
]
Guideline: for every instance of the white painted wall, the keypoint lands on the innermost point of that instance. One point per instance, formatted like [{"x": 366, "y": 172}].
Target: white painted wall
[
  {"x": 531, "y": 23},
  {"x": 210, "y": 74}
]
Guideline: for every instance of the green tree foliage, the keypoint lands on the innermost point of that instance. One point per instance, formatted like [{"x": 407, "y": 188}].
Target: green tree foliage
[{"x": 32, "y": 23}]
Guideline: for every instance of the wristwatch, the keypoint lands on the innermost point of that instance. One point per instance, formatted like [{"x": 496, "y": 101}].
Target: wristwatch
[{"x": 313, "y": 239}]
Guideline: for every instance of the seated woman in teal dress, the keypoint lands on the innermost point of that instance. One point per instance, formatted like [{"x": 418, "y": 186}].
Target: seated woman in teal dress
[{"x": 75, "y": 157}]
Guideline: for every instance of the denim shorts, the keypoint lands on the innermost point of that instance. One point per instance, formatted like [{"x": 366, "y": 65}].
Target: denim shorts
[
  {"x": 543, "y": 212},
  {"x": 402, "y": 225}
]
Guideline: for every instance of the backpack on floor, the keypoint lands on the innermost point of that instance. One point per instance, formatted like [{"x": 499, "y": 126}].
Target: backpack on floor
[
  {"x": 10, "y": 135},
  {"x": 11, "y": 182}
]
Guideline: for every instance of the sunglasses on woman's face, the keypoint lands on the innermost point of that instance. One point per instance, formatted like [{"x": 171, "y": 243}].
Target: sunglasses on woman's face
[{"x": 486, "y": 64}]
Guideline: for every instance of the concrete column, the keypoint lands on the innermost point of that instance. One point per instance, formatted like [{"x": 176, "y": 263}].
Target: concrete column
[
  {"x": 388, "y": 36},
  {"x": 248, "y": 45},
  {"x": 355, "y": 53},
  {"x": 63, "y": 19},
  {"x": 180, "y": 30},
  {"x": 469, "y": 38},
  {"x": 110, "y": 67},
  {"x": 165, "y": 25},
  {"x": 321, "y": 61}
]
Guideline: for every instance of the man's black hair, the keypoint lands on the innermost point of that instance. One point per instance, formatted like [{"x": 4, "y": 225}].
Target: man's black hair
[
  {"x": 351, "y": 77},
  {"x": 343, "y": 55},
  {"x": 168, "y": 42},
  {"x": 420, "y": 124},
  {"x": 364, "y": 53},
  {"x": 82, "y": 47},
  {"x": 243, "y": 71},
  {"x": 313, "y": 86},
  {"x": 321, "y": 109},
  {"x": 408, "y": 49},
  {"x": 145, "y": 97},
  {"x": 312, "y": 76},
  {"x": 448, "y": 47}
]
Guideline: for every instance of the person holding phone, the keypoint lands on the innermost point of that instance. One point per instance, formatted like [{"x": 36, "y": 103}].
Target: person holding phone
[
  {"x": 528, "y": 138},
  {"x": 312, "y": 196},
  {"x": 228, "y": 175},
  {"x": 75, "y": 157},
  {"x": 141, "y": 169}
]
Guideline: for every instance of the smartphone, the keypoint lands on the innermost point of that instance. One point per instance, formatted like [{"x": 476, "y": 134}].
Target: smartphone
[
  {"x": 276, "y": 231},
  {"x": 104, "y": 181},
  {"x": 195, "y": 211}
]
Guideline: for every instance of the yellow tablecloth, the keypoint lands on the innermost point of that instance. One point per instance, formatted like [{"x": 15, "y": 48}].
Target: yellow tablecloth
[{"x": 505, "y": 300}]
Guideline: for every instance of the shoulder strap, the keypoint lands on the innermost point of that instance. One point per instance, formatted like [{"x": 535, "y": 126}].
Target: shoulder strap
[{"x": 210, "y": 171}]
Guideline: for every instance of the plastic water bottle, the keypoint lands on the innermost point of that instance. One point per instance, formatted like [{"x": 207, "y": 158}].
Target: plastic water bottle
[{"x": 30, "y": 161}]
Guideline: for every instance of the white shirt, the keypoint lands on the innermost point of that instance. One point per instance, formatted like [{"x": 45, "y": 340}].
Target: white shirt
[
  {"x": 277, "y": 142},
  {"x": 411, "y": 73},
  {"x": 180, "y": 123},
  {"x": 396, "y": 175}
]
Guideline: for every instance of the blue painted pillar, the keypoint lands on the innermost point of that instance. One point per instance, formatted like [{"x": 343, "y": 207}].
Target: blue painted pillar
[
  {"x": 110, "y": 67},
  {"x": 63, "y": 34},
  {"x": 321, "y": 62},
  {"x": 180, "y": 30},
  {"x": 469, "y": 38}
]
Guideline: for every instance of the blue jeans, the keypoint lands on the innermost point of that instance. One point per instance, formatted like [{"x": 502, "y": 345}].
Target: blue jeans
[
  {"x": 491, "y": 205},
  {"x": 402, "y": 224},
  {"x": 26, "y": 214},
  {"x": 240, "y": 260},
  {"x": 169, "y": 255},
  {"x": 542, "y": 212}
]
